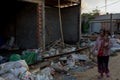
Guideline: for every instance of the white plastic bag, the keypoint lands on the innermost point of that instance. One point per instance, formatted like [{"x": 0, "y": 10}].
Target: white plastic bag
[{"x": 6, "y": 67}]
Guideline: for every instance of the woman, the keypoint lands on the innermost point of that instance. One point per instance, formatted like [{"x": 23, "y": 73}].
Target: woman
[{"x": 102, "y": 45}]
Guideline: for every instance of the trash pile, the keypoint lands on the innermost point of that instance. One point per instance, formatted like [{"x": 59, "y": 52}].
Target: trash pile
[
  {"x": 64, "y": 63},
  {"x": 115, "y": 45},
  {"x": 14, "y": 70},
  {"x": 9, "y": 44},
  {"x": 19, "y": 70},
  {"x": 3, "y": 59}
]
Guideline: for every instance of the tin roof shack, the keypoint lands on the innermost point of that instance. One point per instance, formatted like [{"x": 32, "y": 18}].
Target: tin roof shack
[{"x": 109, "y": 22}]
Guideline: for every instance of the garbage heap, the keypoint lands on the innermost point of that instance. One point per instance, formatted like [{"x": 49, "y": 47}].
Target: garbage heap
[{"x": 60, "y": 61}]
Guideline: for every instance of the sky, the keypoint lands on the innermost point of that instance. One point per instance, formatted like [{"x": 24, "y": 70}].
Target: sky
[{"x": 113, "y": 6}]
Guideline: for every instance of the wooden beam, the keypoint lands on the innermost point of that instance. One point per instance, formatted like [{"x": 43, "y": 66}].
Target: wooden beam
[
  {"x": 32, "y": 1},
  {"x": 80, "y": 19},
  {"x": 39, "y": 24},
  {"x": 60, "y": 20},
  {"x": 43, "y": 23},
  {"x": 81, "y": 49}
]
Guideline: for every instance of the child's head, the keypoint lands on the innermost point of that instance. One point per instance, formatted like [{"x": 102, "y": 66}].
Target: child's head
[{"x": 102, "y": 32}]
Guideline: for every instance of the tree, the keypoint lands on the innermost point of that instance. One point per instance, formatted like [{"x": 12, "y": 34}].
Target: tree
[
  {"x": 96, "y": 12},
  {"x": 86, "y": 17}
]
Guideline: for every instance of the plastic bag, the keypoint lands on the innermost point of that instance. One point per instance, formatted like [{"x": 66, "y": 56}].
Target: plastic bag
[
  {"x": 15, "y": 57},
  {"x": 29, "y": 57},
  {"x": 6, "y": 67}
]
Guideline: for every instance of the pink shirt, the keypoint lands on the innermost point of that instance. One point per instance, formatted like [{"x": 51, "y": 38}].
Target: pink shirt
[{"x": 105, "y": 48}]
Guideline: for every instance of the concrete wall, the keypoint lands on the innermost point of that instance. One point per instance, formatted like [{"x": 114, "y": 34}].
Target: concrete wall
[
  {"x": 95, "y": 27},
  {"x": 52, "y": 24},
  {"x": 7, "y": 19},
  {"x": 22, "y": 23},
  {"x": 70, "y": 20},
  {"x": 26, "y": 26}
]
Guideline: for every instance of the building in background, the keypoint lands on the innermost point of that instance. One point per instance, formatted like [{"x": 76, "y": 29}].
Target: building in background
[{"x": 109, "y": 22}]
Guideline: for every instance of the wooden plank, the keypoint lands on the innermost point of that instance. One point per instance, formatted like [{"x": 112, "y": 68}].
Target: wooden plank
[
  {"x": 32, "y": 1},
  {"x": 39, "y": 24},
  {"x": 66, "y": 53},
  {"x": 80, "y": 26},
  {"x": 43, "y": 24},
  {"x": 60, "y": 20}
]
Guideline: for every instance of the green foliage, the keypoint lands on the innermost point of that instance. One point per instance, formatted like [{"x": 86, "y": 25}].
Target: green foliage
[{"x": 86, "y": 17}]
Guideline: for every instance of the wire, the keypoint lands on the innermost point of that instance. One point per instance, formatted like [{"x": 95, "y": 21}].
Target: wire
[
  {"x": 110, "y": 4},
  {"x": 104, "y": 5}
]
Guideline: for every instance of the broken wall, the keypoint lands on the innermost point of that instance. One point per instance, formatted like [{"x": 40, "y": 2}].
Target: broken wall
[
  {"x": 70, "y": 23},
  {"x": 52, "y": 24},
  {"x": 70, "y": 20},
  {"x": 7, "y": 19},
  {"x": 26, "y": 26}
]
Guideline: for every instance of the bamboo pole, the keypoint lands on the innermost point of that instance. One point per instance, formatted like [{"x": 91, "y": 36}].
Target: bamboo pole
[
  {"x": 68, "y": 53},
  {"x": 39, "y": 25},
  {"x": 43, "y": 24},
  {"x": 80, "y": 19},
  {"x": 60, "y": 20}
]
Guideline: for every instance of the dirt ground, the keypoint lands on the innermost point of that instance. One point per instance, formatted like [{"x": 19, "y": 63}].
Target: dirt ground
[{"x": 91, "y": 74}]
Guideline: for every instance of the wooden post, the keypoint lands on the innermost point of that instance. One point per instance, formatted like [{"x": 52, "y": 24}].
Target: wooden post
[
  {"x": 60, "y": 20},
  {"x": 111, "y": 27},
  {"x": 80, "y": 22},
  {"x": 39, "y": 24},
  {"x": 43, "y": 24}
]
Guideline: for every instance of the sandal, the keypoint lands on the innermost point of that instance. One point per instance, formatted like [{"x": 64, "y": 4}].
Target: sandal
[
  {"x": 100, "y": 76},
  {"x": 107, "y": 75}
]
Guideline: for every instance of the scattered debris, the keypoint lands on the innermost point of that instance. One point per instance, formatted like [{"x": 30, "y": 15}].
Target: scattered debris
[
  {"x": 63, "y": 64},
  {"x": 69, "y": 78}
]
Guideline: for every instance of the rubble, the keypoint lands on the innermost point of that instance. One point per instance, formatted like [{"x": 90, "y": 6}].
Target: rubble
[
  {"x": 3, "y": 59},
  {"x": 45, "y": 74},
  {"x": 69, "y": 78},
  {"x": 63, "y": 64},
  {"x": 15, "y": 70},
  {"x": 115, "y": 45}
]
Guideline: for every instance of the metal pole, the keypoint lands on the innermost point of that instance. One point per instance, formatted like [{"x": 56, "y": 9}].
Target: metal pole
[{"x": 105, "y": 6}]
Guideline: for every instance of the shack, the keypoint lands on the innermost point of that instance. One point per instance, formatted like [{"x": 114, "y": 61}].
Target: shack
[{"x": 35, "y": 23}]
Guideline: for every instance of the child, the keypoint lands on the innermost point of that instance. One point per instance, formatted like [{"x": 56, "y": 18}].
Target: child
[
  {"x": 107, "y": 45},
  {"x": 103, "y": 47}
]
